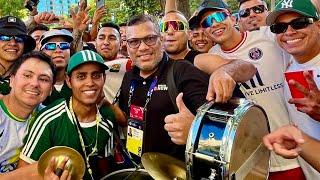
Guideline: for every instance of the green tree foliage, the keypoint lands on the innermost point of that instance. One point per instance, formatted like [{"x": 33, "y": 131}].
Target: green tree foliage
[
  {"x": 117, "y": 10},
  {"x": 194, "y": 4},
  {"x": 13, "y": 7}
]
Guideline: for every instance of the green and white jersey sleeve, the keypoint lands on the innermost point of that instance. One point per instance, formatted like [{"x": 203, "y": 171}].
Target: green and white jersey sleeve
[
  {"x": 39, "y": 138},
  {"x": 55, "y": 127}
]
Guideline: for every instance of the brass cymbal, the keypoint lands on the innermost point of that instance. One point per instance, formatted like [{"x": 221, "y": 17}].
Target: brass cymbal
[
  {"x": 75, "y": 164},
  {"x": 164, "y": 167}
]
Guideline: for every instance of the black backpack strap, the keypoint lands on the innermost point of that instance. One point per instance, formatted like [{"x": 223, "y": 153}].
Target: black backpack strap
[{"x": 172, "y": 88}]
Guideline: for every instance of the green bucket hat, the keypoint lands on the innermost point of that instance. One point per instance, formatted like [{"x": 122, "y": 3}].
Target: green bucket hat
[
  {"x": 83, "y": 57},
  {"x": 303, "y": 7}
]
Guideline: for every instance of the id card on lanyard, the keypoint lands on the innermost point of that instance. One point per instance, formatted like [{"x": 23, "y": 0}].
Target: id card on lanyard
[{"x": 136, "y": 122}]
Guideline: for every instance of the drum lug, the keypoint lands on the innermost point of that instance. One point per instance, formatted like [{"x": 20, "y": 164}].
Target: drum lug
[{"x": 213, "y": 174}]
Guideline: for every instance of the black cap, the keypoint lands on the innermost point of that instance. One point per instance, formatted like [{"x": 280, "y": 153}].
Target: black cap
[
  {"x": 205, "y": 6},
  {"x": 13, "y": 26}
]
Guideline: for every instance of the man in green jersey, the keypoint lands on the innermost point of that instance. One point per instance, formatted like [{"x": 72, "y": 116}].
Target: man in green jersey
[
  {"x": 31, "y": 82},
  {"x": 77, "y": 122}
]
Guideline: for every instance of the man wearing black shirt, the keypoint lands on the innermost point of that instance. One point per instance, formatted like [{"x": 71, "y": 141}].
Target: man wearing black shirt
[{"x": 144, "y": 95}]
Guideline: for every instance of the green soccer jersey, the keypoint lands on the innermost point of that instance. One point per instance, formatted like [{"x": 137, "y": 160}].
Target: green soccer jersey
[{"x": 54, "y": 126}]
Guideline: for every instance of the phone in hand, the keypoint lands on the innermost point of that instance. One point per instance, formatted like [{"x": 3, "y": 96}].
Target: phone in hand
[
  {"x": 100, "y": 3},
  {"x": 30, "y": 4}
]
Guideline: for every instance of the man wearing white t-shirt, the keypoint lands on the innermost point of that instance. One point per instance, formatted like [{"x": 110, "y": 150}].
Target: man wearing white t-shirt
[
  {"x": 296, "y": 25},
  {"x": 266, "y": 86},
  {"x": 303, "y": 43},
  {"x": 108, "y": 46}
]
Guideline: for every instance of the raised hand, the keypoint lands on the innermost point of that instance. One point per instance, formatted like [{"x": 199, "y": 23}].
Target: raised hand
[
  {"x": 98, "y": 15},
  {"x": 178, "y": 125},
  {"x": 46, "y": 18},
  {"x": 310, "y": 104},
  {"x": 81, "y": 19}
]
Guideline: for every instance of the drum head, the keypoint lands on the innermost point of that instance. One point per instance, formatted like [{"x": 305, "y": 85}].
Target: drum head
[
  {"x": 250, "y": 131},
  {"x": 128, "y": 174}
]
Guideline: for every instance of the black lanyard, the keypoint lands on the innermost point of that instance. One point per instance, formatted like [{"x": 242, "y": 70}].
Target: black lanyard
[{"x": 149, "y": 94}]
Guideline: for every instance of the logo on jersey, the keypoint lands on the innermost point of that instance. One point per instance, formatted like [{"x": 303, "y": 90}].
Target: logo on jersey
[
  {"x": 115, "y": 68},
  {"x": 161, "y": 87},
  {"x": 286, "y": 4},
  {"x": 256, "y": 86},
  {"x": 254, "y": 81},
  {"x": 255, "y": 53}
]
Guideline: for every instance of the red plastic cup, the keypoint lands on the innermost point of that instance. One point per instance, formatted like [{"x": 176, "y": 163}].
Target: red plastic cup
[{"x": 298, "y": 77}]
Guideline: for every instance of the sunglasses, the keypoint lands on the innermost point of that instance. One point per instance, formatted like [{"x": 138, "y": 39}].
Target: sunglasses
[
  {"x": 175, "y": 25},
  {"x": 53, "y": 46},
  {"x": 18, "y": 39},
  {"x": 256, "y": 9},
  {"x": 149, "y": 41},
  {"x": 296, "y": 24},
  {"x": 217, "y": 17}
]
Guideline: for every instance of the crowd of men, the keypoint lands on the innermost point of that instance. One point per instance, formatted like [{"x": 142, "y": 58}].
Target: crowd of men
[{"x": 136, "y": 86}]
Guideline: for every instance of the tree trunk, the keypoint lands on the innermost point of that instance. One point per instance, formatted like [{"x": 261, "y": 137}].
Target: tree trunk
[{"x": 183, "y": 6}]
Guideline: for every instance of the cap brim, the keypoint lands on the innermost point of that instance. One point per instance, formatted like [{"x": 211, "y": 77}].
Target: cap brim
[
  {"x": 273, "y": 16},
  {"x": 105, "y": 67},
  {"x": 203, "y": 11},
  {"x": 69, "y": 39},
  {"x": 194, "y": 21},
  {"x": 8, "y": 31}
]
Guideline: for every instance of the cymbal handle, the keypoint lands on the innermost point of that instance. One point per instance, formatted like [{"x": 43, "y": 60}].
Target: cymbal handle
[{"x": 58, "y": 172}]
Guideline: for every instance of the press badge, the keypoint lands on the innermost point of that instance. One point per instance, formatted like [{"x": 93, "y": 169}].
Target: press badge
[
  {"x": 135, "y": 130},
  {"x": 135, "y": 136}
]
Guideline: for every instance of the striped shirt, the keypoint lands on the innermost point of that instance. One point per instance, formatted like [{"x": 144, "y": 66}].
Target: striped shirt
[{"x": 55, "y": 127}]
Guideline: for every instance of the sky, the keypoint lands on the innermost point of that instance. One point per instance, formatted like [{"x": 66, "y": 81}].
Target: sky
[{"x": 58, "y": 7}]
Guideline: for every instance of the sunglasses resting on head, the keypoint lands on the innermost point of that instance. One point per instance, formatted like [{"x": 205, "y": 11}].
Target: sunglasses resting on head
[
  {"x": 256, "y": 9},
  {"x": 54, "y": 45},
  {"x": 175, "y": 25},
  {"x": 18, "y": 39},
  {"x": 217, "y": 17},
  {"x": 298, "y": 23}
]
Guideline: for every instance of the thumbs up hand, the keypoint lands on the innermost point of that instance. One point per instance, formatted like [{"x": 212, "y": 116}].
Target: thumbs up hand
[{"x": 178, "y": 125}]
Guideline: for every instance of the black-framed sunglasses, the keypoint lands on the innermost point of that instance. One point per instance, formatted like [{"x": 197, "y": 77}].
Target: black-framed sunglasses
[
  {"x": 256, "y": 9},
  {"x": 18, "y": 39},
  {"x": 148, "y": 40},
  {"x": 296, "y": 24}
]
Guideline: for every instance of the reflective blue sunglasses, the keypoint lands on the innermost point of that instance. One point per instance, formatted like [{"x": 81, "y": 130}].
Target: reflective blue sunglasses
[
  {"x": 214, "y": 17},
  {"x": 18, "y": 39},
  {"x": 54, "y": 45}
]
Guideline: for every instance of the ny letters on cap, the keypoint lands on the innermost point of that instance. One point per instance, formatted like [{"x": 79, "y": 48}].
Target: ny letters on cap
[{"x": 302, "y": 7}]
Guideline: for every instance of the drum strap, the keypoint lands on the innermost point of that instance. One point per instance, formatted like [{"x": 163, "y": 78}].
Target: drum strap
[
  {"x": 172, "y": 88},
  {"x": 250, "y": 163}
]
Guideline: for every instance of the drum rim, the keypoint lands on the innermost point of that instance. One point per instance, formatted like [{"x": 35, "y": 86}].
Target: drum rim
[
  {"x": 125, "y": 170},
  {"x": 245, "y": 104},
  {"x": 226, "y": 167}
]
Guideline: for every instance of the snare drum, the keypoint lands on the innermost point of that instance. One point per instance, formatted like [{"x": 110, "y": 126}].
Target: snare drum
[
  {"x": 225, "y": 142},
  {"x": 128, "y": 174}
]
